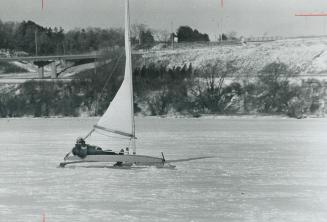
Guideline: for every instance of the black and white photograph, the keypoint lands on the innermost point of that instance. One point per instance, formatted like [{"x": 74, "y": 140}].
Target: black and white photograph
[{"x": 163, "y": 110}]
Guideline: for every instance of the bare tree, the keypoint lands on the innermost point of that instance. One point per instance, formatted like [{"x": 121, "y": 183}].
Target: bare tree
[
  {"x": 209, "y": 84},
  {"x": 274, "y": 87}
]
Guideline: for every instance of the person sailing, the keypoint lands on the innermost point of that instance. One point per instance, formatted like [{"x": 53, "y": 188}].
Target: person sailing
[{"x": 80, "y": 148}]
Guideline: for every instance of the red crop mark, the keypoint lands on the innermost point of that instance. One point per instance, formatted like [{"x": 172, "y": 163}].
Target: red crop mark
[
  {"x": 222, "y": 3},
  {"x": 42, "y": 2},
  {"x": 43, "y": 214},
  {"x": 311, "y": 14}
]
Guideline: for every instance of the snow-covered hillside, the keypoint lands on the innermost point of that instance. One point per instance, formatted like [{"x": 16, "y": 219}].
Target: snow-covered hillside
[{"x": 307, "y": 55}]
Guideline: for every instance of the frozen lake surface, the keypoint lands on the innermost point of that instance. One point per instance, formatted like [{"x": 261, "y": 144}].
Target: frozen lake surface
[{"x": 266, "y": 169}]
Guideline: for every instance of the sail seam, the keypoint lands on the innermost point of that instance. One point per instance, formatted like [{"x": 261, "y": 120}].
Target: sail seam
[{"x": 114, "y": 131}]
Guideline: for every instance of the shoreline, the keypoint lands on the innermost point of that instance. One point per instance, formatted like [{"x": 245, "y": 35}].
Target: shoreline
[{"x": 207, "y": 116}]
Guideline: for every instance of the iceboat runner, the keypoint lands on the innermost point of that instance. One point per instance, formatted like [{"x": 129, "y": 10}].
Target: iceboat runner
[{"x": 118, "y": 120}]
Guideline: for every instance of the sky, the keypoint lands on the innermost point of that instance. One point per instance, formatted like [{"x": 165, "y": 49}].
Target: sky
[{"x": 246, "y": 17}]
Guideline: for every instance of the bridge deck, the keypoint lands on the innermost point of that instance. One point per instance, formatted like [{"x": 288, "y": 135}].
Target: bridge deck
[{"x": 55, "y": 57}]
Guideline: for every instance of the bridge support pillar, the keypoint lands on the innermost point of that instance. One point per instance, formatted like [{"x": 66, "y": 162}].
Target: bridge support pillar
[
  {"x": 53, "y": 70},
  {"x": 63, "y": 63},
  {"x": 95, "y": 66},
  {"x": 41, "y": 72}
]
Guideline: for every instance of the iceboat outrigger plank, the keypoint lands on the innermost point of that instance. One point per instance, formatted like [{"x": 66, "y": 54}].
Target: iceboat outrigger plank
[
  {"x": 115, "y": 158},
  {"x": 190, "y": 159}
]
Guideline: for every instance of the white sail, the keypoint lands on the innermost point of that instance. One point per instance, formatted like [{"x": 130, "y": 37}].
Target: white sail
[{"x": 119, "y": 117}]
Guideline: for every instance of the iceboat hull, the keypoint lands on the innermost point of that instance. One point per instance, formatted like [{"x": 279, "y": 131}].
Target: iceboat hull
[{"x": 132, "y": 159}]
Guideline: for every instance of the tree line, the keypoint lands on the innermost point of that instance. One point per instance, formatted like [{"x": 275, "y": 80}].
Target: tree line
[
  {"x": 164, "y": 90},
  {"x": 26, "y": 35},
  {"x": 34, "y": 39}
]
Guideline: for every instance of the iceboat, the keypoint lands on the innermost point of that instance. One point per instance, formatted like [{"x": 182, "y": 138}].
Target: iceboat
[{"x": 118, "y": 119}]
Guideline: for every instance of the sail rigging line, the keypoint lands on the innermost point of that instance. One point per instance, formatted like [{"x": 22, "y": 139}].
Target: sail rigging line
[
  {"x": 107, "y": 81},
  {"x": 89, "y": 134}
]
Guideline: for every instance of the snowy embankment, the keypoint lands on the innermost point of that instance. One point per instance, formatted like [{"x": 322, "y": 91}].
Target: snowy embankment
[{"x": 306, "y": 56}]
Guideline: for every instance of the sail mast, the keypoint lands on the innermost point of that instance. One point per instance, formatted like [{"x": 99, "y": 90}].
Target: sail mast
[{"x": 128, "y": 66}]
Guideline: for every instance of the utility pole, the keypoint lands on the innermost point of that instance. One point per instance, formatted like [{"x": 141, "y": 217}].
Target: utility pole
[
  {"x": 221, "y": 21},
  {"x": 172, "y": 34},
  {"x": 36, "y": 48},
  {"x": 64, "y": 48},
  {"x": 219, "y": 35}
]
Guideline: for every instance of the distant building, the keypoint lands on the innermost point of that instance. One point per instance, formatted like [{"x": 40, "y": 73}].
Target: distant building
[{"x": 173, "y": 37}]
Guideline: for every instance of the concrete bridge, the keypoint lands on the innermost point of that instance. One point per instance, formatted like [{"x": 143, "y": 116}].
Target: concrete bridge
[{"x": 64, "y": 60}]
